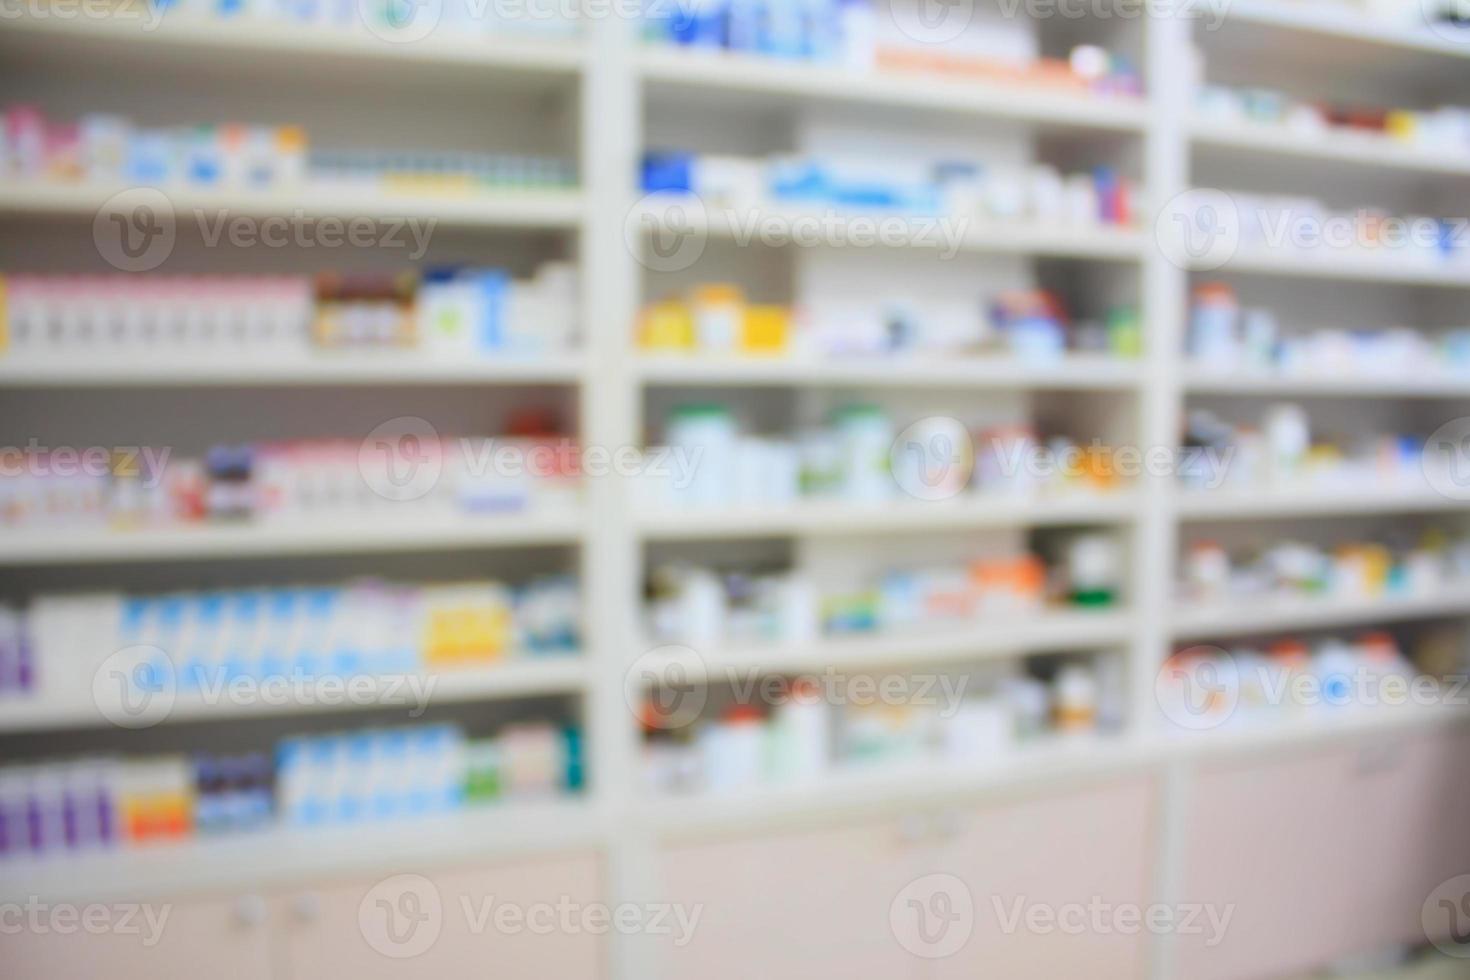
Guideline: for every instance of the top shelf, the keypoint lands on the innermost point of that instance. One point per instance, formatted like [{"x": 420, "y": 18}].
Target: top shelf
[
  {"x": 545, "y": 210},
  {"x": 783, "y": 82},
  {"x": 1325, "y": 21},
  {"x": 258, "y": 46}
]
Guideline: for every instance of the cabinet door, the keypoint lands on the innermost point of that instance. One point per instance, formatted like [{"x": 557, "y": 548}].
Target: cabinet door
[
  {"x": 792, "y": 906},
  {"x": 1042, "y": 871},
  {"x": 504, "y": 922},
  {"x": 217, "y": 938},
  {"x": 1325, "y": 854},
  {"x": 1426, "y": 816}
]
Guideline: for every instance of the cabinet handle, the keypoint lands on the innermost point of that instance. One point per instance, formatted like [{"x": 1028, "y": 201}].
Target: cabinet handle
[
  {"x": 912, "y": 828},
  {"x": 307, "y": 907},
  {"x": 1378, "y": 757},
  {"x": 250, "y": 911},
  {"x": 949, "y": 825}
]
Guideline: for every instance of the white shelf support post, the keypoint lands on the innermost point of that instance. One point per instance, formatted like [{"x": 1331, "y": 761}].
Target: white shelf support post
[
  {"x": 611, "y": 141},
  {"x": 1165, "y": 292}
]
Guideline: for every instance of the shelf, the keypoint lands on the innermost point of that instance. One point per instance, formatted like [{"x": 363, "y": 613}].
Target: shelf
[
  {"x": 1311, "y": 502},
  {"x": 1074, "y": 372},
  {"x": 43, "y": 546},
  {"x": 252, "y": 46},
  {"x": 283, "y": 857},
  {"x": 1269, "y": 614},
  {"x": 516, "y": 677},
  {"x": 1355, "y": 266},
  {"x": 818, "y": 517},
  {"x": 1331, "y": 22},
  {"x": 345, "y": 368},
  {"x": 1058, "y": 763},
  {"x": 748, "y": 78},
  {"x": 546, "y": 210},
  {"x": 995, "y": 636},
  {"x": 901, "y": 785},
  {"x": 1206, "y": 381},
  {"x": 1358, "y": 150},
  {"x": 938, "y": 233}
]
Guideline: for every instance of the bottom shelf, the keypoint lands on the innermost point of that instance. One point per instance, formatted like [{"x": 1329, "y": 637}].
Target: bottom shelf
[
  {"x": 281, "y": 856},
  {"x": 1058, "y": 761}
]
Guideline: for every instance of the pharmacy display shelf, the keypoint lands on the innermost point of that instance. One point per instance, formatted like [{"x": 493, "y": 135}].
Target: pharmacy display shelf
[
  {"x": 990, "y": 637},
  {"x": 325, "y": 369},
  {"x": 41, "y": 546},
  {"x": 175, "y": 40},
  {"x": 1330, "y": 264},
  {"x": 902, "y": 786},
  {"x": 236, "y": 867},
  {"x": 1082, "y": 372},
  {"x": 1351, "y": 149},
  {"x": 1054, "y": 764},
  {"x": 1360, "y": 35},
  {"x": 540, "y": 210},
  {"x": 1311, "y": 501},
  {"x": 688, "y": 215},
  {"x": 827, "y": 518},
  {"x": 749, "y": 78},
  {"x": 1270, "y": 614},
  {"x": 519, "y": 676},
  {"x": 1207, "y": 381},
  {"x": 1239, "y": 736}
]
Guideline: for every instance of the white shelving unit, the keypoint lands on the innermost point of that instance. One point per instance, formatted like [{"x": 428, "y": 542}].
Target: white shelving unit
[
  {"x": 256, "y": 540},
  {"x": 613, "y": 78}
]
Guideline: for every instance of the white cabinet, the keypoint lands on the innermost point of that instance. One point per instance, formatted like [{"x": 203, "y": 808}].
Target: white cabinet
[
  {"x": 504, "y": 922},
  {"x": 792, "y": 906},
  {"x": 1057, "y": 861},
  {"x": 1325, "y": 853},
  {"x": 819, "y": 902},
  {"x": 507, "y": 921},
  {"x": 224, "y": 939}
]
